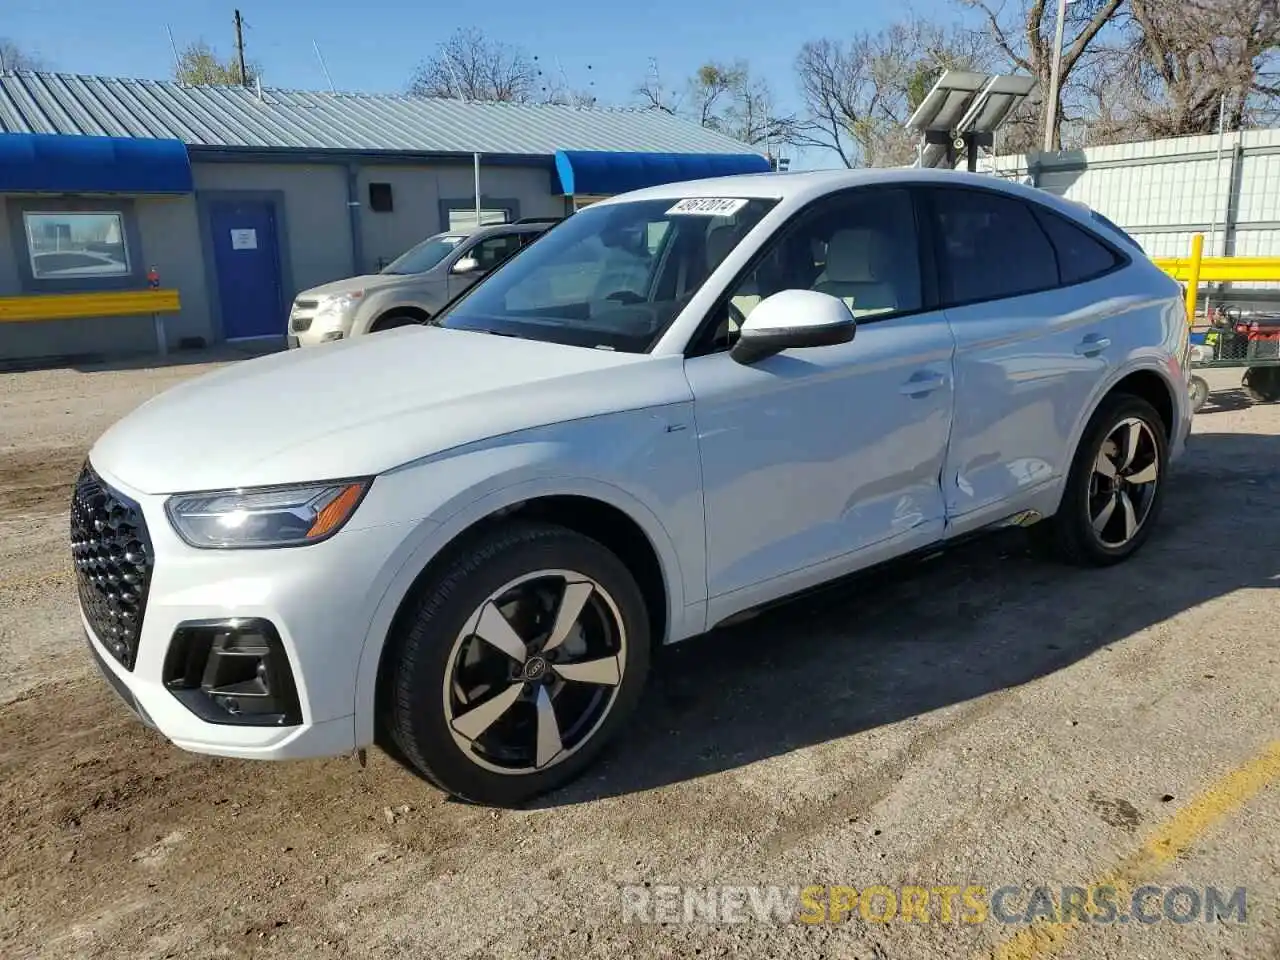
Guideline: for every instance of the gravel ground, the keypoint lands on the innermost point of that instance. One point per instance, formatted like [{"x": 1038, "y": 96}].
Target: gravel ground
[{"x": 980, "y": 719}]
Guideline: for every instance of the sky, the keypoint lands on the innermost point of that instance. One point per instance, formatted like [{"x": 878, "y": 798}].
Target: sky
[{"x": 374, "y": 45}]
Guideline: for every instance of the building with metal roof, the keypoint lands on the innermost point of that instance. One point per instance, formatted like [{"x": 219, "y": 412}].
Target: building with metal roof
[{"x": 234, "y": 198}]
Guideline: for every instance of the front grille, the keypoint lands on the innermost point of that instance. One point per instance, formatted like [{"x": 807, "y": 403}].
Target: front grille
[
  {"x": 302, "y": 314},
  {"x": 111, "y": 550}
]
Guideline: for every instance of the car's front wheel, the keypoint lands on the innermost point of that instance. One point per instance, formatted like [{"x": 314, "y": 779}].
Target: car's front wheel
[
  {"x": 516, "y": 663},
  {"x": 1115, "y": 486}
]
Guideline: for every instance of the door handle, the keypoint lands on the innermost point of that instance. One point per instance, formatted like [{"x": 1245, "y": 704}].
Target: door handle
[
  {"x": 1092, "y": 345},
  {"x": 922, "y": 384}
]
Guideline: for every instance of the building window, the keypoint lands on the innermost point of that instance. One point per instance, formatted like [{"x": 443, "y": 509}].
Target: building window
[
  {"x": 67, "y": 245},
  {"x": 380, "y": 197},
  {"x": 466, "y": 219}
]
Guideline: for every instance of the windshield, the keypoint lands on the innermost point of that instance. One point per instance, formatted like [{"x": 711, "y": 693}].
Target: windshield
[
  {"x": 613, "y": 276},
  {"x": 425, "y": 255}
]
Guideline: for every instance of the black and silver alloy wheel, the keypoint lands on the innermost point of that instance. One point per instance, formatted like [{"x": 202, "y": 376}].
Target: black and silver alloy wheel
[
  {"x": 1114, "y": 487},
  {"x": 535, "y": 671},
  {"x": 1123, "y": 485},
  {"x": 514, "y": 662}
]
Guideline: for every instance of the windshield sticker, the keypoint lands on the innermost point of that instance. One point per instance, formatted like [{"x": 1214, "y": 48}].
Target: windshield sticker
[{"x": 708, "y": 206}]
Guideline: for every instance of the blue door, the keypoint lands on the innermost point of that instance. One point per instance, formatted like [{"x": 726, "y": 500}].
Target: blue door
[{"x": 248, "y": 265}]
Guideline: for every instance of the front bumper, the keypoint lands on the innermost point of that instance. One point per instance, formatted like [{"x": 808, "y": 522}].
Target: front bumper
[{"x": 320, "y": 600}]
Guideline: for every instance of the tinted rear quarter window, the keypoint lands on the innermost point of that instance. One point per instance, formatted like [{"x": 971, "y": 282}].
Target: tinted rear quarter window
[
  {"x": 1081, "y": 256},
  {"x": 990, "y": 247}
]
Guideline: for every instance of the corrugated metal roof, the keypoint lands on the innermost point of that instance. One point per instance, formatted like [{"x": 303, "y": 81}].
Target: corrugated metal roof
[{"x": 236, "y": 117}]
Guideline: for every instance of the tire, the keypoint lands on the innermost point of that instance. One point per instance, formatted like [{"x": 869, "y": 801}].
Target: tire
[
  {"x": 1262, "y": 384},
  {"x": 1199, "y": 391},
  {"x": 437, "y": 657},
  {"x": 1070, "y": 534},
  {"x": 393, "y": 320}
]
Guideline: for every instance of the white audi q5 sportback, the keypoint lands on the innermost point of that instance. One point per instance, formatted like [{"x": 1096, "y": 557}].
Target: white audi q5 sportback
[{"x": 679, "y": 405}]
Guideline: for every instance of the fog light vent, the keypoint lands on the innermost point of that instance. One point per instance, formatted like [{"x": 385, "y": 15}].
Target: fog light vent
[{"x": 233, "y": 672}]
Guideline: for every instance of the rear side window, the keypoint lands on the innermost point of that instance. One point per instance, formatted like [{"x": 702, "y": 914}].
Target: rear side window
[
  {"x": 1118, "y": 230},
  {"x": 1080, "y": 255},
  {"x": 990, "y": 246}
]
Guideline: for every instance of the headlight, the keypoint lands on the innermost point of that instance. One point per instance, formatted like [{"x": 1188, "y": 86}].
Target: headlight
[
  {"x": 266, "y": 517},
  {"x": 342, "y": 303}
]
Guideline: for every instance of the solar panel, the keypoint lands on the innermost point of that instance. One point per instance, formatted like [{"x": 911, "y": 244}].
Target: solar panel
[{"x": 963, "y": 111}]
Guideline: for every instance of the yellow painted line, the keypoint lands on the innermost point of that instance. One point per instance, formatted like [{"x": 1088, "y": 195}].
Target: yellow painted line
[
  {"x": 1170, "y": 840},
  {"x": 71, "y": 306}
]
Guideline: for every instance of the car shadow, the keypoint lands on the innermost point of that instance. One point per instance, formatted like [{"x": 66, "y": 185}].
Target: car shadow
[
  {"x": 220, "y": 353},
  {"x": 176, "y": 357},
  {"x": 914, "y": 637},
  {"x": 1226, "y": 401}
]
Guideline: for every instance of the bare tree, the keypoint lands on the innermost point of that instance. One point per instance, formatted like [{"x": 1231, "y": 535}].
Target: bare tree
[
  {"x": 472, "y": 66},
  {"x": 556, "y": 88},
  {"x": 1187, "y": 61},
  {"x": 859, "y": 94},
  {"x": 200, "y": 66},
  {"x": 1024, "y": 36},
  {"x": 724, "y": 97},
  {"x": 13, "y": 57}
]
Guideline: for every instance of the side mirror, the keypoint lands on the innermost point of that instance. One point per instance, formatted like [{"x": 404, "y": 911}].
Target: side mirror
[
  {"x": 793, "y": 318},
  {"x": 466, "y": 265}
]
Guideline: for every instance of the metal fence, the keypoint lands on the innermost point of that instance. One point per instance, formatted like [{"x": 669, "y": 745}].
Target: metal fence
[{"x": 1163, "y": 192}]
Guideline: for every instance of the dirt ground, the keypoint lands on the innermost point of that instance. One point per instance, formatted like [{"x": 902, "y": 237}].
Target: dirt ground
[{"x": 983, "y": 718}]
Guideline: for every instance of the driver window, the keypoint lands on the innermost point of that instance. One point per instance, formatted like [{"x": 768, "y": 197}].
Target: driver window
[
  {"x": 860, "y": 248},
  {"x": 491, "y": 251}
]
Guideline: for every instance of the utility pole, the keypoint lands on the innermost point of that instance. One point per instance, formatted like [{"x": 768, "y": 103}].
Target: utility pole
[
  {"x": 244, "y": 74},
  {"x": 1055, "y": 78}
]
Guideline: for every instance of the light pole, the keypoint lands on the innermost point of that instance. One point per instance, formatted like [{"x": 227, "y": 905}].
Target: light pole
[{"x": 1055, "y": 77}]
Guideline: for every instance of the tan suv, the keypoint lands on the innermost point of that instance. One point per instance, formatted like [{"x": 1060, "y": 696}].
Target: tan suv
[{"x": 412, "y": 288}]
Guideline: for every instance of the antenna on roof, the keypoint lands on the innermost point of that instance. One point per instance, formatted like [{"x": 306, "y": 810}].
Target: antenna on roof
[
  {"x": 177, "y": 60},
  {"x": 448, "y": 62},
  {"x": 320, "y": 57}
]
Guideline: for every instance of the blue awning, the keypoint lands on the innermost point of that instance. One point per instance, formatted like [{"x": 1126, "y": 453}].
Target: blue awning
[
  {"x": 52, "y": 163},
  {"x": 606, "y": 173}
]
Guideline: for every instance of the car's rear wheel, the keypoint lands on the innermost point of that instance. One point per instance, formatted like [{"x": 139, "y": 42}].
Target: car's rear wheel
[
  {"x": 517, "y": 663},
  {"x": 1115, "y": 486}
]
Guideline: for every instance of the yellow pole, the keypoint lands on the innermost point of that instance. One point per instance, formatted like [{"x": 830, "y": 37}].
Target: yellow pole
[{"x": 1193, "y": 276}]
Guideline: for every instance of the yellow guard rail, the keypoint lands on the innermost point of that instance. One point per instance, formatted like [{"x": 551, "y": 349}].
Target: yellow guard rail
[
  {"x": 1197, "y": 269},
  {"x": 74, "y": 306},
  {"x": 151, "y": 302}
]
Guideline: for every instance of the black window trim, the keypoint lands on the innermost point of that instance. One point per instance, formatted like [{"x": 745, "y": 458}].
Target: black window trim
[
  {"x": 1042, "y": 213},
  {"x": 929, "y": 191},
  {"x": 930, "y": 299}
]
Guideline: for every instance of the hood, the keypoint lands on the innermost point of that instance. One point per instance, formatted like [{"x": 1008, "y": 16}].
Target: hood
[
  {"x": 362, "y": 406},
  {"x": 369, "y": 282}
]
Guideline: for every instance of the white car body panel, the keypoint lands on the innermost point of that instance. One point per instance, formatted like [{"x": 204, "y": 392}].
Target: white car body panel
[
  {"x": 797, "y": 476},
  {"x": 750, "y": 482},
  {"x": 372, "y": 404}
]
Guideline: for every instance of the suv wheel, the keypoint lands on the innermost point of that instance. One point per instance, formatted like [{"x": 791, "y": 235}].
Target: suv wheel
[
  {"x": 1115, "y": 487},
  {"x": 517, "y": 663}
]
